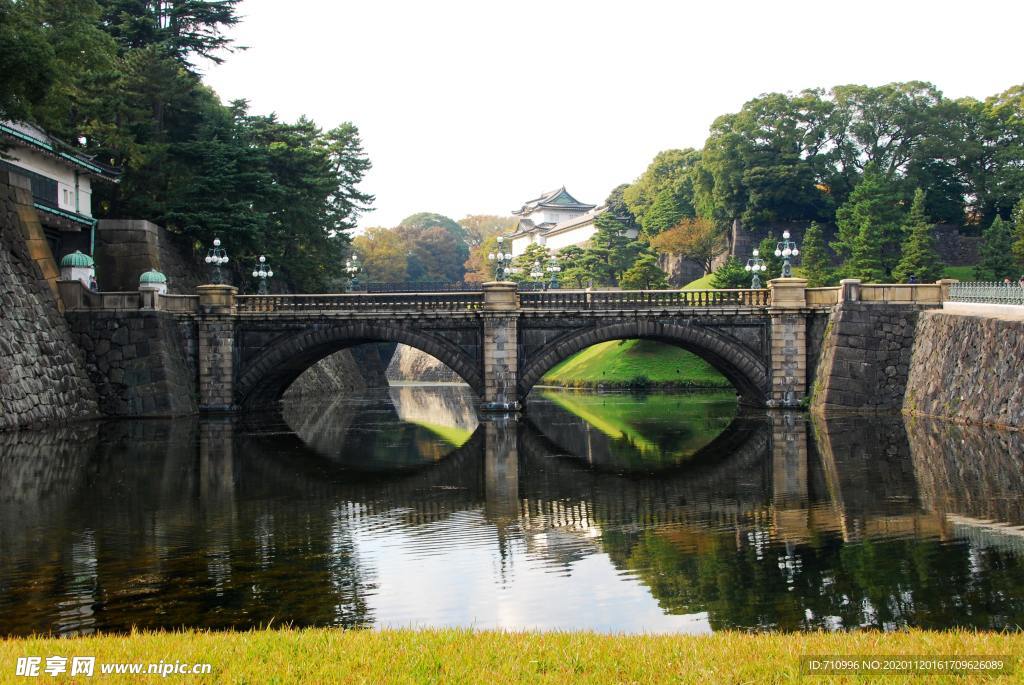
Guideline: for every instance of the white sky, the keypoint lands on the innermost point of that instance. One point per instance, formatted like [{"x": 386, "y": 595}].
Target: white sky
[{"x": 474, "y": 107}]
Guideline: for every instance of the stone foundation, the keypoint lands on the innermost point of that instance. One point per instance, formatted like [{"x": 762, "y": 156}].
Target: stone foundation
[
  {"x": 42, "y": 374},
  {"x": 968, "y": 368},
  {"x": 138, "y": 361},
  {"x": 865, "y": 359}
]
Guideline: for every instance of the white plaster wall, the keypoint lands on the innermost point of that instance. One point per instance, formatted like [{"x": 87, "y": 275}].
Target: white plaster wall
[
  {"x": 65, "y": 177},
  {"x": 575, "y": 236}
]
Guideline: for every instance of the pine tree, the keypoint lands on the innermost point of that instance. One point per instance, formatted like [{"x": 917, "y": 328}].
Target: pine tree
[
  {"x": 866, "y": 260},
  {"x": 644, "y": 274},
  {"x": 814, "y": 256},
  {"x": 996, "y": 252},
  {"x": 732, "y": 274},
  {"x": 920, "y": 257},
  {"x": 874, "y": 200}
]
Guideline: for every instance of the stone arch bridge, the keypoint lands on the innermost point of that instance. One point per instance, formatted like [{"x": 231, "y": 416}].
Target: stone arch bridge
[{"x": 242, "y": 351}]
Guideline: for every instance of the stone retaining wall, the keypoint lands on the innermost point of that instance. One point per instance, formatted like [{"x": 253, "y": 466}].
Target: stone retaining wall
[
  {"x": 138, "y": 361},
  {"x": 865, "y": 359},
  {"x": 42, "y": 375},
  {"x": 968, "y": 369}
]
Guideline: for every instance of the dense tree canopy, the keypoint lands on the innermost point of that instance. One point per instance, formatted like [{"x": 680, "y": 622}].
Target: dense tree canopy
[{"x": 117, "y": 79}]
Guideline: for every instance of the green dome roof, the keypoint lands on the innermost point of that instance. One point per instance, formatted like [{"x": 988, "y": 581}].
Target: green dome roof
[
  {"x": 152, "y": 276},
  {"x": 76, "y": 258}
]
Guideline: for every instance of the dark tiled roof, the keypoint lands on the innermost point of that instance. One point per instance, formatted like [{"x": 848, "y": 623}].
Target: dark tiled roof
[{"x": 560, "y": 199}]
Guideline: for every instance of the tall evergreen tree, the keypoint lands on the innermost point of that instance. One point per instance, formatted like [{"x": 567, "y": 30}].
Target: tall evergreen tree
[
  {"x": 766, "y": 250},
  {"x": 875, "y": 200},
  {"x": 815, "y": 258},
  {"x": 996, "y": 252},
  {"x": 920, "y": 257},
  {"x": 866, "y": 261}
]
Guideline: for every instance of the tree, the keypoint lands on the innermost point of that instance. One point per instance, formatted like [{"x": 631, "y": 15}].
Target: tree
[
  {"x": 996, "y": 252},
  {"x": 664, "y": 192},
  {"x": 182, "y": 28},
  {"x": 573, "y": 274},
  {"x": 612, "y": 241},
  {"x": 920, "y": 257},
  {"x": 696, "y": 238},
  {"x": 1018, "y": 233},
  {"x": 28, "y": 65},
  {"x": 732, "y": 274},
  {"x": 644, "y": 274},
  {"x": 874, "y": 201},
  {"x": 815, "y": 258},
  {"x": 448, "y": 264},
  {"x": 866, "y": 261},
  {"x": 525, "y": 263},
  {"x": 383, "y": 255}
]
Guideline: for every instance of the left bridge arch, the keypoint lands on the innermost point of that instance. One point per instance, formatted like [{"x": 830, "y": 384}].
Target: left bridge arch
[{"x": 263, "y": 380}]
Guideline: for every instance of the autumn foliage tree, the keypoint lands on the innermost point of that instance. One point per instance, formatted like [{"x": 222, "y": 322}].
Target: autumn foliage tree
[{"x": 696, "y": 238}]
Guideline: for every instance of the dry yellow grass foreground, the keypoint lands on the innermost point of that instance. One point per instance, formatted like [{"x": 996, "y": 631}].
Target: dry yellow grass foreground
[{"x": 463, "y": 656}]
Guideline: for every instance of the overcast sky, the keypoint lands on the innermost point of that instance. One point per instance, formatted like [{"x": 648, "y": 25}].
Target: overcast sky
[{"x": 474, "y": 107}]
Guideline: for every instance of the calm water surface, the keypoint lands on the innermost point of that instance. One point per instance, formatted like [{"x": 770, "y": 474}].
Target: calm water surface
[{"x": 613, "y": 512}]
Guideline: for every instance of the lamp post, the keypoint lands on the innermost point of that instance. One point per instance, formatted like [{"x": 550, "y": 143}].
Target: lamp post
[
  {"x": 501, "y": 260},
  {"x": 352, "y": 268},
  {"x": 554, "y": 268},
  {"x": 754, "y": 265},
  {"x": 537, "y": 272},
  {"x": 217, "y": 257},
  {"x": 263, "y": 271},
  {"x": 786, "y": 249}
]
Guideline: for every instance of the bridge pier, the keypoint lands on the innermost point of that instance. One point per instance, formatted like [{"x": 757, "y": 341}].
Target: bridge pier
[
  {"x": 501, "y": 469},
  {"x": 215, "y": 329},
  {"x": 500, "y": 316},
  {"x": 789, "y": 342}
]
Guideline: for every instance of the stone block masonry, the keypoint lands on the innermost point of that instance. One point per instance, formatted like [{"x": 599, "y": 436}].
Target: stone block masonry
[
  {"x": 42, "y": 373},
  {"x": 138, "y": 361},
  {"x": 866, "y": 357},
  {"x": 968, "y": 368}
]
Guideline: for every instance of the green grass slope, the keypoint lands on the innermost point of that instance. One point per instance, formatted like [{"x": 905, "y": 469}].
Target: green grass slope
[{"x": 635, "y": 363}]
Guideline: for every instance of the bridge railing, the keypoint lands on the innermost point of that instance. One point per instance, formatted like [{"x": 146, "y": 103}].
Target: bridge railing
[
  {"x": 357, "y": 302},
  {"x": 987, "y": 292},
  {"x": 644, "y": 299}
]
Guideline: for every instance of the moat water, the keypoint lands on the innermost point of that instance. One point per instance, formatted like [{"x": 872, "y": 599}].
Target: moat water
[{"x": 611, "y": 512}]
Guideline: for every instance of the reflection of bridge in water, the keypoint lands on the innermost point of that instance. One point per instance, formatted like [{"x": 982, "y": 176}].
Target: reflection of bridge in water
[{"x": 245, "y": 508}]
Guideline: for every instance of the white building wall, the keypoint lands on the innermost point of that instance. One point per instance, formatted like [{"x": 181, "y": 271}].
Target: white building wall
[
  {"x": 577, "y": 235},
  {"x": 65, "y": 176}
]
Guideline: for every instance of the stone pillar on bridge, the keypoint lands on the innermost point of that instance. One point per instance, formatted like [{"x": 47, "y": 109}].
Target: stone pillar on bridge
[
  {"x": 215, "y": 329},
  {"x": 500, "y": 318},
  {"x": 789, "y": 342}
]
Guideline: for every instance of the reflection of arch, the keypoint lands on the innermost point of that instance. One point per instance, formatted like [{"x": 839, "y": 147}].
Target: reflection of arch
[
  {"x": 265, "y": 379},
  {"x": 743, "y": 368}
]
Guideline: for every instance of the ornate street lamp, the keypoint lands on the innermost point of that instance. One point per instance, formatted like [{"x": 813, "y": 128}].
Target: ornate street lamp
[
  {"x": 217, "y": 257},
  {"x": 263, "y": 271},
  {"x": 501, "y": 261},
  {"x": 786, "y": 249},
  {"x": 536, "y": 273},
  {"x": 755, "y": 265},
  {"x": 554, "y": 268},
  {"x": 352, "y": 268}
]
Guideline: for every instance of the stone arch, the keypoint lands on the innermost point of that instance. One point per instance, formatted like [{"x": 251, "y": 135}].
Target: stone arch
[
  {"x": 746, "y": 371},
  {"x": 265, "y": 379}
]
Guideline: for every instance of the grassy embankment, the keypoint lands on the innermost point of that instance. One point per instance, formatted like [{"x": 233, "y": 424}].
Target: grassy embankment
[
  {"x": 464, "y": 656},
  {"x": 634, "y": 364}
]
